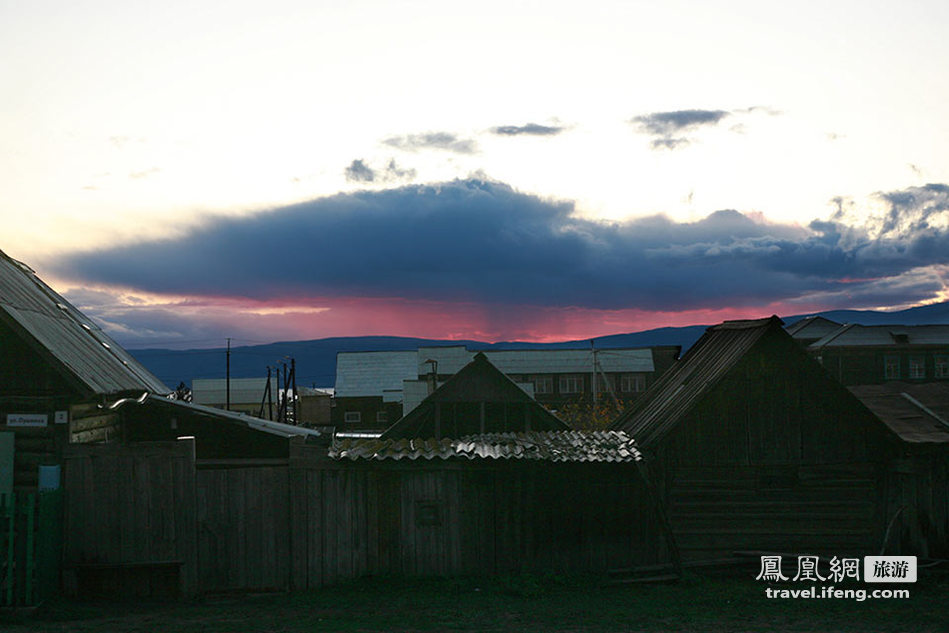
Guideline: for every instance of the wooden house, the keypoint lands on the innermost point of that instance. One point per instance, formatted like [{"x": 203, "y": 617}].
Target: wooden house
[
  {"x": 873, "y": 354},
  {"x": 916, "y": 486},
  {"x": 63, "y": 380},
  {"x": 478, "y": 399},
  {"x": 57, "y": 365},
  {"x": 755, "y": 447}
]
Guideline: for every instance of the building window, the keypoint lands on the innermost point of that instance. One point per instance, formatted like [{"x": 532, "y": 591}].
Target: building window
[
  {"x": 352, "y": 417},
  {"x": 543, "y": 384},
  {"x": 891, "y": 368},
  {"x": 917, "y": 368},
  {"x": 382, "y": 417},
  {"x": 941, "y": 366},
  {"x": 571, "y": 383},
  {"x": 632, "y": 383},
  {"x": 605, "y": 383}
]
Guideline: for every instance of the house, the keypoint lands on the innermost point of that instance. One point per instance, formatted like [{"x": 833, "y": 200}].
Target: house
[
  {"x": 63, "y": 380},
  {"x": 872, "y": 354},
  {"x": 243, "y": 395},
  {"x": 917, "y": 476},
  {"x": 477, "y": 399},
  {"x": 58, "y": 365},
  {"x": 375, "y": 388},
  {"x": 755, "y": 447}
]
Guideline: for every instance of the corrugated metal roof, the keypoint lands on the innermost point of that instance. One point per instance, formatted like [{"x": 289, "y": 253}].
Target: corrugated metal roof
[
  {"x": 917, "y": 413},
  {"x": 228, "y": 417},
  {"x": 853, "y": 335},
  {"x": 243, "y": 390},
  {"x": 570, "y": 361},
  {"x": 676, "y": 391},
  {"x": 553, "y": 446},
  {"x": 450, "y": 359},
  {"x": 74, "y": 341},
  {"x": 371, "y": 373}
]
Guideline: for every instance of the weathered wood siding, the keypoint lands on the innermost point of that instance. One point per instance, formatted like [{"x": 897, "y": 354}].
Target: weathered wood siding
[
  {"x": 776, "y": 457},
  {"x": 313, "y": 522},
  {"x": 917, "y": 503},
  {"x": 130, "y": 506}
]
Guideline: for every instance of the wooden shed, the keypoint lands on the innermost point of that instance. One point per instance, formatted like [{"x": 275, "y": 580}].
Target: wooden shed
[
  {"x": 478, "y": 399},
  {"x": 917, "y": 475},
  {"x": 756, "y": 447}
]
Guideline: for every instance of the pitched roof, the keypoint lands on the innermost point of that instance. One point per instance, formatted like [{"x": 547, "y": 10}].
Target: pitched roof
[
  {"x": 853, "y": 335},
  {"x": 540, "y": 361},
  {"x": 69, "y": 339},
  {"x": 694, "y": 375},
  {"x": 917, "y": 413},
  {"x": 552, "y": 446},
  {"x": 371, "y": 373},
  {"x": 219, "y": 415},
  {"x": 812, "y": 327},
  {"x": 478, "y": 381}
]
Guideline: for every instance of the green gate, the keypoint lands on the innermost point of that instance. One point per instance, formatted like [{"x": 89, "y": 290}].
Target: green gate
[{"x": 30, "y": 547}]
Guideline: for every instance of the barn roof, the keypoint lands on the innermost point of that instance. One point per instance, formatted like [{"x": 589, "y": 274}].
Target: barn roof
[
  {"x": 552, "y": 446},
  {"x": 917, "y": 413},
  {"x": 71, "y": 341},
  {"x": 700, "y": 369},
  {"x": 478, "y": 381}
]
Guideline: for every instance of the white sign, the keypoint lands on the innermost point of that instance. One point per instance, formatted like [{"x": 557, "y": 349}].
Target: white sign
[
  {"x": 889, "y": 569},
  {"x": 27, "y": 419},
  {"x": 62, "y": 417}
]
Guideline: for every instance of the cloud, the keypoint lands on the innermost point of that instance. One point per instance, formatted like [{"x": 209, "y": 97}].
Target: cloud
[
  {"x": 530, "y": 129},
  {"x": 669, "y": 129},
  {"x": 484, "y": 242},
  {"x": 359, "y": 171},
  {"x": 433, "y": 140}
]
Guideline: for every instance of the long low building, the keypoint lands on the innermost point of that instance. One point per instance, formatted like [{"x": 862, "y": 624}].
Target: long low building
[{"x": 374, "y": 389}]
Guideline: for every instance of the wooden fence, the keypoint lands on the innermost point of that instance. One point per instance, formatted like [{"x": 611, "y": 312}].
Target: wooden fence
[{"x": 142, "y": 516}]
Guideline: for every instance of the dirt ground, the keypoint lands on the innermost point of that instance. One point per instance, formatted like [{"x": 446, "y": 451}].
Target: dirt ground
[{"x": 525, "y": 603}]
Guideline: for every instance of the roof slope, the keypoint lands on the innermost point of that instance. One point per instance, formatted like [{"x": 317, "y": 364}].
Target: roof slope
[
  {"x": 553, "y": 446},
  {"x": 72, "y": 342},
  {"x": 917, "y": 413},
  {"x": 699, "y": 370},
  {"x": 812, "y": 327},
  {"x": 371, "y": 373},
  {"x": 478, "y": 381},
  {"x": 876, "y": 335}
]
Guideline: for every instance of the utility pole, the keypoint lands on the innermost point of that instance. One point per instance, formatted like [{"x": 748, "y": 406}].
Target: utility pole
[
  {"x": 592, "y": 347},
  {"x": 227, "y": 380}
]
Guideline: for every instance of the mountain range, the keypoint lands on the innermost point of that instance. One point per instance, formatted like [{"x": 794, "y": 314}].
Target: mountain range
[{"x": 316, "y": 359}]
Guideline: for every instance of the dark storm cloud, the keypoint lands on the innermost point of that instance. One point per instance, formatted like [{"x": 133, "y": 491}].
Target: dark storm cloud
[
  {"x": 530, "y": 129},
  {"x": 483, "y": 241},
  {"x": 433, "y": 140}
]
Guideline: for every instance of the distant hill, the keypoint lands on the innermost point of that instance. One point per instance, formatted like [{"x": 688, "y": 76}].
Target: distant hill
[{"x": 316, "y": 359}]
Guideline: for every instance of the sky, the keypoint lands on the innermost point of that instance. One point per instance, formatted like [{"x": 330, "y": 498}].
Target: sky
[{"x": 542, "y": 171}]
